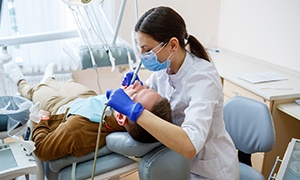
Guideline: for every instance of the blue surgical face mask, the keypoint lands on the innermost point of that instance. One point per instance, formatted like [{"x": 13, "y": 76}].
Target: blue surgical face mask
[{"x": 149, "y": 59}]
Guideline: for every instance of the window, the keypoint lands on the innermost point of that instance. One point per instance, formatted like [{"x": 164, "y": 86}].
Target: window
[{"x": 23, "y": 17}]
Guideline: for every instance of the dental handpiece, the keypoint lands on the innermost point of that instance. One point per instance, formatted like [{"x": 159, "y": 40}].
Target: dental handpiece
[{"x": 135, "y": 73}]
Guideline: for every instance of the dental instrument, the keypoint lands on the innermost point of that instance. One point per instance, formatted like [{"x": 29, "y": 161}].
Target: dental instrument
[
  {"x": 136, "y": 72},
  {"x": 108, "y": 111}
]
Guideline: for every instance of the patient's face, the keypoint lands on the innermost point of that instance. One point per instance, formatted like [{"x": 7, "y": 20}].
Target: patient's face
[{"x": 138, "y": 93}]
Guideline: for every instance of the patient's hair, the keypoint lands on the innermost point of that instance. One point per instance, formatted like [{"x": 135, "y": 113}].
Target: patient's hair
[{"x": 161, "y": 109}]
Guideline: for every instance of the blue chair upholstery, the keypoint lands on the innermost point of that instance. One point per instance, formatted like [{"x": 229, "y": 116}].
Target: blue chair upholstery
[
  {"x": 250, "y": 125},
  {"x": 157, "y": 161},
  {"x": 249, "y": 173},
  {"x": 107, "y": 160},
  {"x": 162, "y": 163},
  {"x": 123, "y": 143}
]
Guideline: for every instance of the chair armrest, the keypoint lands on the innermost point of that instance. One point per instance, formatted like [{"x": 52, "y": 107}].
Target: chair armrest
[
  {"x": 58, "y": 164},
  {"x": 123, "y": 143},
  {"x": 163, "y": 163}
]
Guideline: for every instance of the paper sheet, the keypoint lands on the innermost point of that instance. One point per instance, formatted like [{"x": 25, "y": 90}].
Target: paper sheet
[{"x": 262, "y": 77}]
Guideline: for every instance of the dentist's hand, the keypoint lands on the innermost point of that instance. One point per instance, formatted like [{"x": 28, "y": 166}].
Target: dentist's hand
[
  {"x": 127, "y": 78},
  {"x": 122, "y": 103}
]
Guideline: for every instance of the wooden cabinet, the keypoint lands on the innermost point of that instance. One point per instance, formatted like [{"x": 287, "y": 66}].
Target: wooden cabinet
[
  {"x": 231, "y": 89},
  {"x": 286, "y": 128}
]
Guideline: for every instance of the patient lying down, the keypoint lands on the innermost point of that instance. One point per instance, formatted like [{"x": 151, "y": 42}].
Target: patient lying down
[{"x": 75, "y": 111}]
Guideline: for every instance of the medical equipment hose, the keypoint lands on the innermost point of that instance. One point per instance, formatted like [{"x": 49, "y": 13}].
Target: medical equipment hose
[{"x": 98, "y": 141}]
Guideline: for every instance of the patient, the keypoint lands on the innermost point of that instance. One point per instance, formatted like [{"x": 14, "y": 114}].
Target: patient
[{"x": 75, "y": 111}]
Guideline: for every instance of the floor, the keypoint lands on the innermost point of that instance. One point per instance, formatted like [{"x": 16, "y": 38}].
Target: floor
[{"x": 133, "y": 176}]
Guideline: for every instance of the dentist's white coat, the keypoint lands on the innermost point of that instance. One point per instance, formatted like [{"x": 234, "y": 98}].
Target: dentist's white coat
[{"x": 195, "y": 94}]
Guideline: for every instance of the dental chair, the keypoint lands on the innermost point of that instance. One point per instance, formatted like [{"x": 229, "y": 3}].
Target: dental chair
[
  {"x": 250, "y": 125},
  {"x": 121, "y": 155}
]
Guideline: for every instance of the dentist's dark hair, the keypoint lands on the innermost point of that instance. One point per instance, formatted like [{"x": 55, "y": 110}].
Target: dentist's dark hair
[{"x": 162, "y": 23}]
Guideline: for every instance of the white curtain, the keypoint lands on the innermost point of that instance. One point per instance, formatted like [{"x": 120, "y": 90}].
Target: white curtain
[{"x": 21, "y": 17}]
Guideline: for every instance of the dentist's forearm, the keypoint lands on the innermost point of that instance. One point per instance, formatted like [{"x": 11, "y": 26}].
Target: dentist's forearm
[{"x": 169, "y": 134}]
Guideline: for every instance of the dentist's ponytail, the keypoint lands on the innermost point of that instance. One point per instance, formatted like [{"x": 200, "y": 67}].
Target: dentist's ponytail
[{"x": 195, "y": 47}]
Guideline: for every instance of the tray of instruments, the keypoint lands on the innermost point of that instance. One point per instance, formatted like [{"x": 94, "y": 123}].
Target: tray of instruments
[{"x": 290, "y": 167}]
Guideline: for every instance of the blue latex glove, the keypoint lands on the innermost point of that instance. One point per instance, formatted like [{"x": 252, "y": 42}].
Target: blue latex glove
[
  {"x": 127, "y": 78},
  {"x": 122, "y": 103},
  {"x": 109, "y": 92}
]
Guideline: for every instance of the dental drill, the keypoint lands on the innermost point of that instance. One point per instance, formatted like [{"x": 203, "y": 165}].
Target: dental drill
[{"x": 135, "y": 73}]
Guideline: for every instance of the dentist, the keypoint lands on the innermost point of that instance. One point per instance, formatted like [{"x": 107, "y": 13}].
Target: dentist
[{"x": 185, "y": 76}]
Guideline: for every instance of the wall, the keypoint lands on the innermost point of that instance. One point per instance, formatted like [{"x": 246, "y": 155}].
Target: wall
[
  {"x": 268, "y": 30},
  {"x": 201, "y": 17}
]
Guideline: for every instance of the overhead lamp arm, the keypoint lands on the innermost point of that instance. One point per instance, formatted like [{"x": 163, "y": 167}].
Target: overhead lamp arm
[
  {"x": 77, "y": 2},
  {"x": 37, "y": 37}
]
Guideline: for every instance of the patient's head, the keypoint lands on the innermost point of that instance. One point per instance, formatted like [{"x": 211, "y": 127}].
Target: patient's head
[
  {"x": 151, "y": 101},
  {"x": 160, "y": 108}
]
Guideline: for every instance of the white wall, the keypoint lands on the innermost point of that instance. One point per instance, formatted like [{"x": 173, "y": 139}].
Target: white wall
[
  {"x": 268, "y": 30},
  {"x": 201, "y": 17}
]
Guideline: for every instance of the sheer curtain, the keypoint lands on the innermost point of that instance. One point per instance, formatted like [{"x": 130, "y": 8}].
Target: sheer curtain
[{"x": 20, "y": 17}]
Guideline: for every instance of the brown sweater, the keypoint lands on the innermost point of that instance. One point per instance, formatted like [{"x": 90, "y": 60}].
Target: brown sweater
[{"x": 75, "y": 135}]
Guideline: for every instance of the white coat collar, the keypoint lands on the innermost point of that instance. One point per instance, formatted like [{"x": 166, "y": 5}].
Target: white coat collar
[{"x": 183, "y": 70}]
